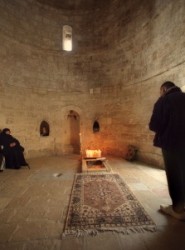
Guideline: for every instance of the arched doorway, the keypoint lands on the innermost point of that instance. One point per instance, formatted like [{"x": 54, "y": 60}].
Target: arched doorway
[{"x": 74, "y": 131}]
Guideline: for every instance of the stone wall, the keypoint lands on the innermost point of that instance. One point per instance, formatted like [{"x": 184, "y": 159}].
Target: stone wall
[
  {"x": 145, "y": 47},
  {"x": 121, "y": 55},
  {"x": 38, "y": 80}
]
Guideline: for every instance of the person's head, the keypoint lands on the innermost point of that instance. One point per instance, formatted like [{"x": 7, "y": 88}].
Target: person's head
[
  {"x": 6, "y": 131},
  {"x": 166, "y": 86}
]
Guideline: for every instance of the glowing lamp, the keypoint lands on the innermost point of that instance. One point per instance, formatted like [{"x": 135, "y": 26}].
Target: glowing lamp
[{"x": 93, "y": 153}]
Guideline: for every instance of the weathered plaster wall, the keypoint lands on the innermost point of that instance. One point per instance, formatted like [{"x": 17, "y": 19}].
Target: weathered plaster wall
[
  {"x": 39, "y": 80},
  {"x": 144, "y": 47},
  {"x": 121, "y": 56}
]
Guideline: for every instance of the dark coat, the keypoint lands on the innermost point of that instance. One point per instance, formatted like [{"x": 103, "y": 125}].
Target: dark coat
[
  {"x": 14, "y": 157},
  {"x": 168, "y": 120}
]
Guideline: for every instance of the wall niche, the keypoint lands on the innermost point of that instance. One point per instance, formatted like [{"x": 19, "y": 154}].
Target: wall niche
[
  {"x": 96, "y": 127},
  {"x": 44, "y": 129}
]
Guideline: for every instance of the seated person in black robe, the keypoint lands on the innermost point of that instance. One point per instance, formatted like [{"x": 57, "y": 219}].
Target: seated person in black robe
[
  {"x": 12, "y": 150},
  {"x": 2, "y": 161}
]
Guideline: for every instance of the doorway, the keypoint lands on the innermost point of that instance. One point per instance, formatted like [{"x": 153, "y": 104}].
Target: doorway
[{"x": 74, "y": 131}]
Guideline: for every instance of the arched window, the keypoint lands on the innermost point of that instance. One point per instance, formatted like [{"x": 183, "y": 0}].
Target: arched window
[
  {"x": 44, "y": 128},
  {"x": 67, "y": 38}
]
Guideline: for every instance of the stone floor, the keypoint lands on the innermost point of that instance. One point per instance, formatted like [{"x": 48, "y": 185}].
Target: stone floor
[{"x": 33, "y": 205}]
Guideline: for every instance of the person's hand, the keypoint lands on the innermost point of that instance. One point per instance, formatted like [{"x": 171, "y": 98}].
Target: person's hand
[{"x": 12, "y": 144}]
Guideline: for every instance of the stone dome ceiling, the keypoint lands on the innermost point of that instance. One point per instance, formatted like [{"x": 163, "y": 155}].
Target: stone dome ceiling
[{"x": 75, "y": 4}]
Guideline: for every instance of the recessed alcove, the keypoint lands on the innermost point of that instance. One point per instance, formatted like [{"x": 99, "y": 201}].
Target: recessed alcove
[
  {"x": 73, "y": 131},
  {"x": 96, "y": 126},
  {"x": 44, "y": 128}
]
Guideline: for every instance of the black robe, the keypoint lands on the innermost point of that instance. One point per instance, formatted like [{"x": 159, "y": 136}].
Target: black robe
[
  {"x": 14, "y": 157},
  {"x": 168, "y": 120}
]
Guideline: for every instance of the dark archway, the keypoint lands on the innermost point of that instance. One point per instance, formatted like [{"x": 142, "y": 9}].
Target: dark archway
[{"x": 74, "y": 130}]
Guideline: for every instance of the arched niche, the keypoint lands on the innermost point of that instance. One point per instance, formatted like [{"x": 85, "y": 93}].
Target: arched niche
[
  {"x": 96, "y": 127},
  {"x": 73, "y": 121},
  {"x": 71, "y": 137},
  {"x": 44, "y": 128}
]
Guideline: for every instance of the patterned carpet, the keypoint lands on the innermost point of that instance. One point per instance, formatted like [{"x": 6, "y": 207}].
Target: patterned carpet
[{"x": 103, "y": 202}]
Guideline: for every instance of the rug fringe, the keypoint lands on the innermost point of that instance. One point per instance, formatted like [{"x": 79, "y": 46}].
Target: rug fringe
[{"x": 94, "y": 232}]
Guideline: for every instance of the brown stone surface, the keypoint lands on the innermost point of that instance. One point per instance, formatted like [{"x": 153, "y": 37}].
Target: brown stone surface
[{"x": 32, "y": 218}]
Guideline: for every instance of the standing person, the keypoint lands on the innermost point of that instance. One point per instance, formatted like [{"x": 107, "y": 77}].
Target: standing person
[
  {"x": 168, "y": 123},
  {"x": 2, "y": 160},
  {"x": 11, "y": 150}
]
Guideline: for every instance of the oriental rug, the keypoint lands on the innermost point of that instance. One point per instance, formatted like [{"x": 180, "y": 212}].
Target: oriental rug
[{"x": 103, "y": 202}]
